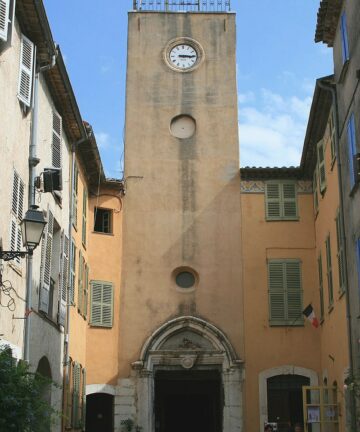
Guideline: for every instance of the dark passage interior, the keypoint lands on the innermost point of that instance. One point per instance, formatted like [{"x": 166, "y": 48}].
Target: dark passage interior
[
  {"x": 99, "y": 412},
  {"x": 188, "y": 401}
]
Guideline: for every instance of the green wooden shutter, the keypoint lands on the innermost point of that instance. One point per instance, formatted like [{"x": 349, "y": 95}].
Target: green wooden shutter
[
  {"x": 86, "y": 285},
  {"x": 83, "y": 402},
  {"x": 69, "y": 399},
  {"x": 76, "y": 395},
  {"x": 315, "y": 193},
  {"x": 289, "y": 201},
  {"x": 80, "y": 282},
  {"x": 84, "y": 217},
  {"x": 72, "y": 272},
  {"x": 273, "y": 201},
  {"x": 294, "y": 292},
  {"x": 340, "y": 253},
  {"x": 329, "y": 271},
  {"x": 74, "y": 212},
  {"x": 101, "y": 313},
  {"x": 276, "y": 292},
  {"x": 321, "y": 165},
  {"x": 321, "y": 287}
]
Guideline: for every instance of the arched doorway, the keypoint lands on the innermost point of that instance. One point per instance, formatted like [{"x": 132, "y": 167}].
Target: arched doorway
[
  {"x": 189, "y": 378},
  {"x": 99, "y": 412},
  {"x": 44, "y": 369}
]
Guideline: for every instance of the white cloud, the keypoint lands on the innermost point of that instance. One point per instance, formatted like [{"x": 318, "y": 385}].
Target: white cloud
[
  {"x": 246, "y": 97},
  {"x": 272, "y": 132},
  {"x": 103, "y": 140}
]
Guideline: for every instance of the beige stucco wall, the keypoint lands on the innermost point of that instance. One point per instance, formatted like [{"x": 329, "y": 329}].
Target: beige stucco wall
[{"x": 182, "y": 206}]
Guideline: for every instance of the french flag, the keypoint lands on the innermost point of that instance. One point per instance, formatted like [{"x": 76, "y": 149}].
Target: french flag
[{"x": 310, "y": 315}]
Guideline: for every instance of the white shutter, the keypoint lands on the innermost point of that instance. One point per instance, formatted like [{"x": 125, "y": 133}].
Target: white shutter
[
  {"x": 26, "y": 70},
  {"x": 56, "y": 140},
  {"x": 4, "y": 19},
  {"x": 63, "y": 283},
  {"x": 17, "y": 206},
  {"x": 46, "y": 265}
]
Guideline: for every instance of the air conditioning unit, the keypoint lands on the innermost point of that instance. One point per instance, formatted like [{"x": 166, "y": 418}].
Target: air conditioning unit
[
  {"x": 52, "y": 178},
  {"x": 357, "y": 168}
]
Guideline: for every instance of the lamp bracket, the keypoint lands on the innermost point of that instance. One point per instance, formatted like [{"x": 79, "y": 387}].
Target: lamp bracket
[{"x": 10, "y": 255}]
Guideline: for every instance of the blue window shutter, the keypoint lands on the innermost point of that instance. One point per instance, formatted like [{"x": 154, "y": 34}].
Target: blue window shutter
[
  {"x": 344, "y": 38},
  {"x": 352, "y": 148}
]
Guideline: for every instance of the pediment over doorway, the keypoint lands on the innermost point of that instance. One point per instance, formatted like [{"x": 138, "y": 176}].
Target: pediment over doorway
[{"x": 187, "y": 340}]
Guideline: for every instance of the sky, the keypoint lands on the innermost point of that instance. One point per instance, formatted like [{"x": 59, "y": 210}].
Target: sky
[{"x": 277, "y": 65}]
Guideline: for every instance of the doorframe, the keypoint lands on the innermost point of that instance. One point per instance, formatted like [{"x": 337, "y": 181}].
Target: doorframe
[{"x": 280, "y": 370}]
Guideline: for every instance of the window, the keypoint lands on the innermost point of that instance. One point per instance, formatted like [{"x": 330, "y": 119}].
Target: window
[
  {"x": 26, "y": 71},
  {"x": 321, "y": 166},
  {"x": 315, "y": 192},
  {"x": 80, "y": 282},
  {"x": 45, "y": 303},
  {"x": 64, "y": 272},
  {"x": 321, "y": 408},
  {"x": 84, "y": 217},
  {"x": 56, "y": 140},
  {"x": 285, "y": 292},
  {"x": 77, "y": 404},
  {"x": 281, "y": 201},
  {"x": 340, "y": 253},
  {"x": 321, "y": 287},
  {"x": 352, "y": 151},
  {"x": 332, "y": 135},
  {"x": 72, "y": 272},
  {"x": 17, "y": 208},
  {"x": 4, "y": 19},
  {"x": 344, "y": 38},
  {"x": 101, "y": 304},
  {"x": 329, "y": 271},
  {"x": 75, "y": 195},
  {"x": 103, "y": 220},
  {"x": 85, "y": 292}
]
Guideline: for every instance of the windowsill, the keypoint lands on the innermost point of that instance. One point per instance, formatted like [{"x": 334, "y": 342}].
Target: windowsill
[
  {"x": 100, "y": 327},
  {"x": 283, "y": 220},
  {"x": 102, "y": 233},
  {"x": 343, "y": 72},
  {"x": 285, "y": 324},
  {"x": 49, "y": 320}
]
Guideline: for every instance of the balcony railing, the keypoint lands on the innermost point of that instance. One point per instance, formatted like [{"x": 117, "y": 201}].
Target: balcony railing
[{"x": 183, "y": 5}]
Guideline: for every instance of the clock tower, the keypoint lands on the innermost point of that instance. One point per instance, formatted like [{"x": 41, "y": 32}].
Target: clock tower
[{"x": 181, "y": 324}]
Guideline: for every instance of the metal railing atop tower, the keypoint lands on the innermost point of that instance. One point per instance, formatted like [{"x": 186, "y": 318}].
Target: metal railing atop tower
[{"x": 183, "y": 5}]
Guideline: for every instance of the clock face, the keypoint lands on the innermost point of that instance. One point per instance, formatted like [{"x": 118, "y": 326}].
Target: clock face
[{"x": 183, "y": 56}]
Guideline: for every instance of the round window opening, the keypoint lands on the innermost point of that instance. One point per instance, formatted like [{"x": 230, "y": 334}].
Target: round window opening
[
  {"x": 185, "y": 279},
  {"x": 183, "y": 126}
]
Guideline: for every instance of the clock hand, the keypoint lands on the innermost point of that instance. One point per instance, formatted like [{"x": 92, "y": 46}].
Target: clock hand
[{"x": 186, "y": 56}]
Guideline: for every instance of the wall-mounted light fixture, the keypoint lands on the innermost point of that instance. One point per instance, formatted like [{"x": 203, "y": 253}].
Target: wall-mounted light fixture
[{"x": 32, "y": 227}]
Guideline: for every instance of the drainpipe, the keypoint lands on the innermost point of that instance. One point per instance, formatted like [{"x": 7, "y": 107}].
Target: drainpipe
[
  {"x": 332, "y": 88},
  {"x": 33, "y": 162}
]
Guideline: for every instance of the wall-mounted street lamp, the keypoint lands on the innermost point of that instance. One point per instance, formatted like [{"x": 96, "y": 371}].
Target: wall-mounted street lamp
[{"x": 32, "y": 227}]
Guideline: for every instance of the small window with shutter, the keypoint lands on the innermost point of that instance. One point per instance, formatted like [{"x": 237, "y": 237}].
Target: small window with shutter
[
  {"x": 281, "y": 200},
  {"x": 321, "y": 287},
  {"x": 4, "y": 19},
  {"x": 80, "y": 283},
  {"x": 56, "y": 139},
  {"x": 17, "y": 209},
  {"x": 285, "y": 293},
  {"x": 332, "y": 135},
  {"x": 329, "y": 271},
  {"x": 72, "y": 272},
  {"x": 351, "y": 137},
  {"x": 46, "y": 262},
  {"x": 84, "y": 217},
  {"x": 315, "y": 193},
  {"x": 340, "y": 253},
  {"x": 64, "y": 278},
  {"x": 27, "y": 53},
  {"x": 101, "y": 304},
  {"x": 76, "y": 404},
  {"x": 74, "y": 212},
  {"x": 321, "y": 166}
]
